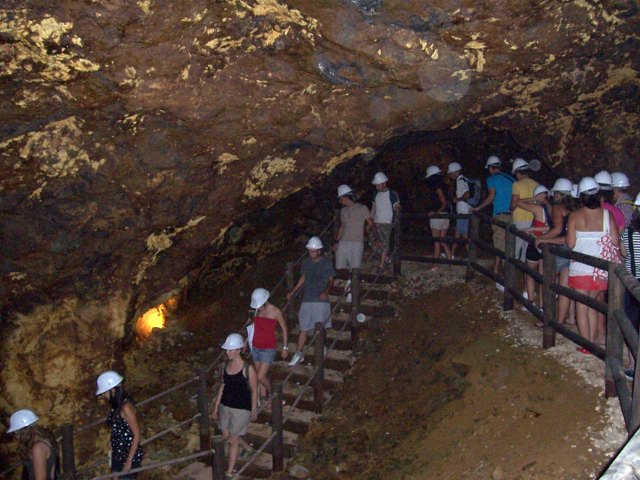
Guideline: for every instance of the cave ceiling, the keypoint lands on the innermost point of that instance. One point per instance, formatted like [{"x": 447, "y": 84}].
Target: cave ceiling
[{"x": 134, "y": 133}]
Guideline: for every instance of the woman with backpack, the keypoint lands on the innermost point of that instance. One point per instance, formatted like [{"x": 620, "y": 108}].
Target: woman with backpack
[
  {"x": 36, "y": 446},
  {"x": 237, "y": 401},
  {"x": 439, "y": 204},
  {"x": 126, "y": 453},
  {"x": 540, "y": 206}
]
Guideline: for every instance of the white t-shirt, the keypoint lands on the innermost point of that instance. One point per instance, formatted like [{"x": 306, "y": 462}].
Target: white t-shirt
[
  {"x": 462, "y": 186},
  {"x": 384, "y": 202}
]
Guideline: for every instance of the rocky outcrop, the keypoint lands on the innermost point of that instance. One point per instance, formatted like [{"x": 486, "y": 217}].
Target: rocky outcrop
[{"x": 135, "y": 133}]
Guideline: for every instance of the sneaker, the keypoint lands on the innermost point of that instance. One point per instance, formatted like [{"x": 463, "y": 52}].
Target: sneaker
[
  {"x": 296, "y": 359},
  {"x": 630, "y": 373},
  {"x": 499, "y": 287},
  {"x": 349, "y": 298},
  {"x": 247, "y": 453}
]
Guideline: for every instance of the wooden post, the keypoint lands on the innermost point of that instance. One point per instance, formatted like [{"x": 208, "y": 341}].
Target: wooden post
[
  {"x": 397, "y": 243},
  {"x": 276, "y": 419},
  {"x": 615, "y": 341},
  {"x": 355, "y": 306},
  {"x": 203, "y": 407},
  {"x": 68, "y": 453},
  {"x": 318, "y": 379},
  {"x": 291, "y": 309},
  {"x": 548, "y": 297},
  {"x": 472, "y": 249},
  {"x": 219, "y": 465},
  {"x": 509, "y": 268}
]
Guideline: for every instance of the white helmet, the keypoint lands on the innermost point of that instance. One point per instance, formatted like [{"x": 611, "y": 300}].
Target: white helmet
[
  {"x": 20, "y": 419},
  {"x": 432, "y": 170},
  {"x": 259, "y": 297},
  {"x": 540, "y": 189},
  {"x": 344, "y": 190},
  {"x": 588, "y": 185},
  {"x": 519, "y": 164},
  {"x": 454, "y": 167},
  {"x": 637, "y": 202},
  {"x": 107, "y": 380},
  {"x": 233, "y": 342},
  {"x": 574, "y": 191},
  {"x": 619, "y": 180},
  {"x": 379, "y": 178},
  {"x": 492, "y": 161},
  {"x": 314, "y": 243},
  {"x": 604, "y": 179},
  {"x": 562, "y": 185}
]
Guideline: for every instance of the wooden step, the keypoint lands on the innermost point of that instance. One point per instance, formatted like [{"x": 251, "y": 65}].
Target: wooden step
[
  {"x": 297, "y": 420},
  {"x": 258, "y": 433},
  {"x": 302, "y": 372}
]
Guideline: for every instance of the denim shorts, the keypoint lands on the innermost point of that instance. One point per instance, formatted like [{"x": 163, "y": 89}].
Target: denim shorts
[
  {"x": 462, "y": 226},
  {"x": 263, "y": 355}
]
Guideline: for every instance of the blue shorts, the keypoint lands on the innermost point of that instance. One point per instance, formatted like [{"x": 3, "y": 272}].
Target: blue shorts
[
  {"x": 263, "y": 355},
  {"x": 462, "y": 226}
]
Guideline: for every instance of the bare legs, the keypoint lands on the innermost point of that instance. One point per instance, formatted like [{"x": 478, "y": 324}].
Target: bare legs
[
  {"x": 235, "y": 442},
  {"x": 264, "y": 385},
  {"x": 564, "y": 302},
  {"x": 587, "y": 318},
  {"x": 438, "y": 246}
]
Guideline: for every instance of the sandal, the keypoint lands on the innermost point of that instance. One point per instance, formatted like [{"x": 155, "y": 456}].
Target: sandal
[{"x": 247, "y": 453}]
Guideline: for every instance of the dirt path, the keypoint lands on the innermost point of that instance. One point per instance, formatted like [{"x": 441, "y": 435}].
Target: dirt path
[{"x": 454, "y": 389}]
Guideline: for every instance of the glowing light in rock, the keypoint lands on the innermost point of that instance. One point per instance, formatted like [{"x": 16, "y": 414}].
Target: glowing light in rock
[{"x": 153, "y": 318}]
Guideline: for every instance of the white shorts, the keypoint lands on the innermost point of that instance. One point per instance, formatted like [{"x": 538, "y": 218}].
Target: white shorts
[
  {"x": 349, "y": 254},
  {"x": 314, "y": 312}
]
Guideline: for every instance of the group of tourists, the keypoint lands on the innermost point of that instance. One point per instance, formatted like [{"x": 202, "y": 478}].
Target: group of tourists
[{"x": 596, "y": 217}]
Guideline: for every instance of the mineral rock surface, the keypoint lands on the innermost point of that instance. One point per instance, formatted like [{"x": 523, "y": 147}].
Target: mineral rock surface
[{"x": 134, "y": 134}]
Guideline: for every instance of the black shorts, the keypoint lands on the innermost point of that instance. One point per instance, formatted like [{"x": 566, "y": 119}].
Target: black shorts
[{"x": 533, "y": 254}]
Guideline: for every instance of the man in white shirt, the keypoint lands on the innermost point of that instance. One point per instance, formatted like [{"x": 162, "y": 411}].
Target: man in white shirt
[
  {"x": 385, "y": 202},
  {"x": 454, "y": 171}
]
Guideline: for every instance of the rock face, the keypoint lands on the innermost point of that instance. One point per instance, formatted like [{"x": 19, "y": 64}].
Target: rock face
[{"x": 134, "y": 134}]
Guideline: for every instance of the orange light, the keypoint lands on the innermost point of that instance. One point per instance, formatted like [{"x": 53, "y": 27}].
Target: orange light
[{"x": 153, "y": 318}]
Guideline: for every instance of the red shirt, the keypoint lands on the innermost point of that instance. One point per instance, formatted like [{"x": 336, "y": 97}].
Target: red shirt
[{"x": 264, "y": 333}]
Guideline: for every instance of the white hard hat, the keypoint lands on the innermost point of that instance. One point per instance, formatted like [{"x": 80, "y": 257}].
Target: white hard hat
[
  {"x": 619, "y": 180},
  {"x": 574, "y": 191},
  {"x": 233, "y": 342},
  {"x": 259, "y": 297},
  {"x": 637, "y": 202},
  {"x": 492, "y": 161},
  {"x": 454, "y": 167},
  {"x": 107, "y": 380},
  {"x": 540, "y": 189},
  {"x": 432, "y": 170},
  {"x": 519, "y": 164},
  {"x": 314, "y": 243},
  {"x": 379, "y": 178},
  {"x": 588, "y": 185},
  {"x": 604, "y": 179},
  {"x": 562, "y": 185},
  {"x": 21, "y": 418},
  {"x": 344, "y": 190}
]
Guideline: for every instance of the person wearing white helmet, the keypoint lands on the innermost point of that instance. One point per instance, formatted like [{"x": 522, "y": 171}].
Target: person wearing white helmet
[
  {"x": 630, "y": 248},
  {"x": 604, "y": 180},
  {"x": 540, "y": 207},
  {"x": 316, "y": 277},
  {"x": 385, "y": 203},
  {"x": 36, "y": 446},
  {"x": 461, "y": 195},
  {"x": 126, "y": 453},
  {"x": 522, "y": 190},
  {"x": 236, "y": 404},
  {"x": 499, "y": 188},
  {"x": 562, "y": 207},
  {"x": 439, "y": 203},
  {"x": 263, "y": 341},
  {"x": 350, "y": 237},
  {"x": 590, "y": 231},
  {"x": 621, "y": 199}
]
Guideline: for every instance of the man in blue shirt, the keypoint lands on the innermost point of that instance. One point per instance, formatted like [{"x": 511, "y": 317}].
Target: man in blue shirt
[{"x": 499, "y": 186}]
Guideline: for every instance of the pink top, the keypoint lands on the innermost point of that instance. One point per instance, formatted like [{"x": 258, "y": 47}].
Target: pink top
[{"x": 617, "y": 214}]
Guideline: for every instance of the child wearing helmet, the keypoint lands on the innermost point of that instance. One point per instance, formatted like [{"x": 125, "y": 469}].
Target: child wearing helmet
[
  {"x": 126, "y": 453},
  {"x": 263, "y": 350},
  {"x": 236, "y": 404},
  {"x": 36, "y": 446}
]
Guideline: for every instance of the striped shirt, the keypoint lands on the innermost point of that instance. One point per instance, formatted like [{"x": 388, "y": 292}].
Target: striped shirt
[{"x": 624, "y": 240}]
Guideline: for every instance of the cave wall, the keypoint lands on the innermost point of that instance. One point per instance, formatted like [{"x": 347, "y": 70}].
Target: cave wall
[{"x": 134, "y": 134}]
